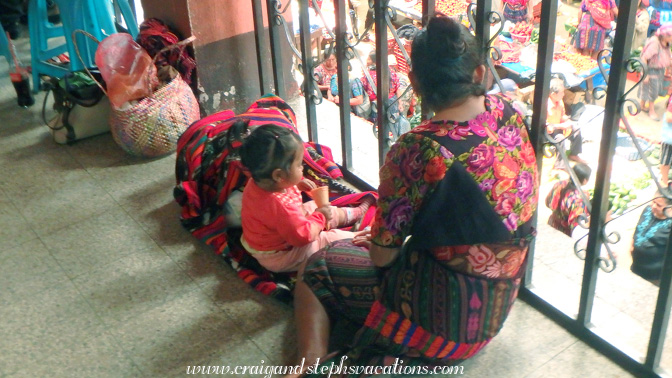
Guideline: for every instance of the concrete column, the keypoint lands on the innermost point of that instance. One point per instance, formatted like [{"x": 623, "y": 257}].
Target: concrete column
[{"x": 224, "y": 49}]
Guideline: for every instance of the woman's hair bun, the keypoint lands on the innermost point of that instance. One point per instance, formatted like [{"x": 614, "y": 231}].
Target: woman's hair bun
[{"x": 445, "y": 38}]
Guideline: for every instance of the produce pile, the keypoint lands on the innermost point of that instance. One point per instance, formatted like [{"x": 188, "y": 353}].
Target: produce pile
[
  {"x": 621, "y": 197},
  {"x": 582, "y": 63},
  {"x": 522, "y": 31},
  {"x": 450, "y": 8}
]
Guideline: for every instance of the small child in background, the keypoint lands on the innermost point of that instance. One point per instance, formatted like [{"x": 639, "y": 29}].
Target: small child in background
[
  {"x": 279, "y": 230},
  {"x": 666, "y": 146}
]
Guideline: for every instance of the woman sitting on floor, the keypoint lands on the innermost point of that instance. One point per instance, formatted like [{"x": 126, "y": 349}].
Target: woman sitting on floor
[
  {"x": 463, "y": 187},
  {"x": 565, "y": 201}
]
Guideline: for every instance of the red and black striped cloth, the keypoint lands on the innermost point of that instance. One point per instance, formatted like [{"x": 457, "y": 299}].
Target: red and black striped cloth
[{"x": 207, "y": 173}]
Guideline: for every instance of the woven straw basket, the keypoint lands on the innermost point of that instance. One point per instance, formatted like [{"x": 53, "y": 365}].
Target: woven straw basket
[{"x": 152, "y": 126}]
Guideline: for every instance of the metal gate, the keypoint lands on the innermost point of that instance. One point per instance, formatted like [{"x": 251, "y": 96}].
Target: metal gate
[{"x": 595, "y": 251}]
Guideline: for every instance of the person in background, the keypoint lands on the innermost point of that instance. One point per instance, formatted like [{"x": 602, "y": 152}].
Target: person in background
[
  {"x": 361, "y": 8},
  {"x": 11, "y": 12},
  {"x": 359, "y": 101},
  {"x": 325, "y": 71},
  {"x": 370, "y": 88},
  {"x": 511, "y": 92},
  {"x": 566, "y": 203},
  {"x": 642, "y": 22},
  {"x": 406, "y": 98},
  {"x": 666, "y": 146},
  {"x": 649, "y": 242},
  {"x": 595, "y": 17},
  {"x": 518, "y": 11},
  {"x": 559, "y": 125},
  {"x": 656, "y": 55}
]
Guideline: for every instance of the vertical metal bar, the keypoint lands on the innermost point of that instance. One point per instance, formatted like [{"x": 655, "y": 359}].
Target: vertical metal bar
[
  {"x": 382, "y": 75},
  {"x": 661, "y": 317},
  {"x": 260, "y": 40},
  {"x": 541, "y": 89},
  {"x": 307, "y": 59},
  {"x": 341, "y": 8},
  {"x": 483, "y": 7},
  {"x": 428, "y": 11},
  {"x": 482, "y": 29},
  {"x": 275, "y": 32},
  {"x": 612, "y": 114}
]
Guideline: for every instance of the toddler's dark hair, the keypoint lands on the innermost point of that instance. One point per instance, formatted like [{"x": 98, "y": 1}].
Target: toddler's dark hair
[
  {"x": 267, "y": 148},
  {"x": 444, "y": 57}
]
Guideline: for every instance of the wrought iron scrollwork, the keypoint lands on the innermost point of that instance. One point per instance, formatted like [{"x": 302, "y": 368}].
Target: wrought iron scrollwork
[{"x": 631, "y": 107}]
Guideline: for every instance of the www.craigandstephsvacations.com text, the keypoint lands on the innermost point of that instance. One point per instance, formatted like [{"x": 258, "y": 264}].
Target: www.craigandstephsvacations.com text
[{"x": 330, "y": 369}]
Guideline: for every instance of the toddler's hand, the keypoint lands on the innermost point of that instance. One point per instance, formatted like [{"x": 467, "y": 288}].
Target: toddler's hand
[{"x": 306, "y": 185}]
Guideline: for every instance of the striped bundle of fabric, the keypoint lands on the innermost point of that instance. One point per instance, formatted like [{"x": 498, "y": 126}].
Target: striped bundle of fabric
[{"x": 207, "y": 172}]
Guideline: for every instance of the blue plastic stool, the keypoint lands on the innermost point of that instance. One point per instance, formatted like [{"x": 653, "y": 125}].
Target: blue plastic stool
[
  {"x": 93, "y": 16},
  {"x": 4, "y": 48},
  {"x": 41, "y": 32}
]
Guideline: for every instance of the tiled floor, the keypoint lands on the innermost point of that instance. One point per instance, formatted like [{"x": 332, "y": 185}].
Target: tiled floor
[{"x": 98, "y": 279}]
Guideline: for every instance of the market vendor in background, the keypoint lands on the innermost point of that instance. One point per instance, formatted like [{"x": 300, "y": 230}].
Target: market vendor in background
[
  {"x": 370, "y": 88},
  {"x": 656, "y": 56},
  {"x": 566, "y": 203},
  {"x": 559, "y": 125},
  {"x": 406, "y": 98},
  {"x": 359, "y": 100},
  {"x": 595, "y": 22},
  {"x": 642, "y": 22},
  {"x": 649, "y": 243},
  {"x": 517, "y": 11},
  {"x": 326, "y": 70}
]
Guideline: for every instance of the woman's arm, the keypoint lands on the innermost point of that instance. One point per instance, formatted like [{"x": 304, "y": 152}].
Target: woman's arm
[
  {"x": 354, "y": 101},
  {"x": 383, "y": 256}
]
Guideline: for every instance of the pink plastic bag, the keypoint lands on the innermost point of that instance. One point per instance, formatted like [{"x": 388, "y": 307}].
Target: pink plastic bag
[{"x": 126, "y": 68}]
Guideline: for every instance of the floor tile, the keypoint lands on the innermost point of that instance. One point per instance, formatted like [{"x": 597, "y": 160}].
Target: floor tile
[
  {"x": 79, "y": 354},
  {"x": 27, "y": 269},
  {"x": 268, "y": 322},
  {"x": 99, "y": 151},
  {"x": 133, "y": 285},
  {"x": 43, "y": 320},
  {"x": 158, "y": 214},
  {"x": 527, "y": 341},
  {"x": 180, "y": 332},
  {"x": 136, "y": 177},
  {"x": 239, "y": 353},
  {"x": 14, "y": 229},
  {"x": 97, "y": 241},
  {"x": 579, "y": 360},
  {"x": 59, "y": 201}
]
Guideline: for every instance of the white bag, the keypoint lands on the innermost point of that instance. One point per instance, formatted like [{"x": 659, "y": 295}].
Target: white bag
[{"x": 81, "y": 122}]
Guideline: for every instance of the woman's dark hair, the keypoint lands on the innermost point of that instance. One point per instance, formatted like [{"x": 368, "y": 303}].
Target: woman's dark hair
[
  {"x": 444, "y": 57},
  {"x": 267, "y": 148},
  {"x": 329, "y": 51},
  {"x": 372, "y": 56}
]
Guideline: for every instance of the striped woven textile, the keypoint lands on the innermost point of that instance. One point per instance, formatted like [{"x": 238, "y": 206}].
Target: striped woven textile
[{"x": 207, "y": 173}]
